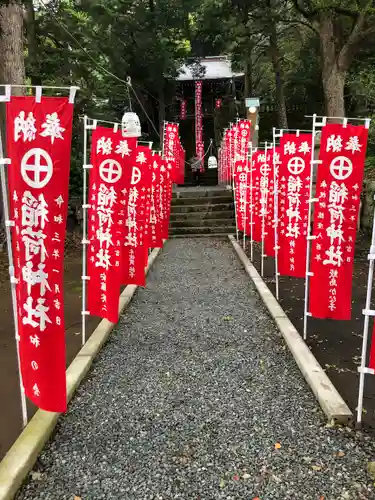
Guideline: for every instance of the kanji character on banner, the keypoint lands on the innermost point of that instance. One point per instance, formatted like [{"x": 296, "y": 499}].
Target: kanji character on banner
[
  {"x": 338, "y": 189},
  {"x": 110, "y": 158},
  {"x": 137, "y": 219},
  {"x": 294, "y": 194},
  {"x": 38, "y": 145}
]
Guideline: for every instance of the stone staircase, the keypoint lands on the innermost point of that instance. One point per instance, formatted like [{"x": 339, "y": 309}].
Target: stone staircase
[{"x": 202, "y": 211}]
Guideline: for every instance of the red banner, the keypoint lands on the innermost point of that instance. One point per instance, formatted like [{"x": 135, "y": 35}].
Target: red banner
[
  {"x": 294, "y": 194},
  {"x": 338, "y": 188},
  {"x": 155, "y": 231},
  {"x": 38, "y": 145},
  {"x": 242, "y": 137},
  {"x": 138, "y": 188},
  {"x": 256, "y": 194},
  {"x": 242, "y": 193},
  {"x": 165, "y": 198},
  {"x": 269, "y": 205},
  {"x": 110, "y": 156}
]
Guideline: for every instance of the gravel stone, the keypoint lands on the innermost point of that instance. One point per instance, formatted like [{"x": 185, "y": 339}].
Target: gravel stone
[{"x": 189, "y": 398}]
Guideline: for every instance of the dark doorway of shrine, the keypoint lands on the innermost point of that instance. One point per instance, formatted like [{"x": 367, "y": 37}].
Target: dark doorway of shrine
[{"x": 187, "y": 132}]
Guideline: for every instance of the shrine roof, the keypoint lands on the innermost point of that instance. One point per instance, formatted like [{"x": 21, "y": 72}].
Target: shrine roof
[{"x": 215, "y": 68}]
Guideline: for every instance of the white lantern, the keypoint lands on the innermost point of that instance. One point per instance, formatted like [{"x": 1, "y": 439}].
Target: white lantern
[
  {"x": 130, "y": 124},
  {"x": 212, "y": 162}
]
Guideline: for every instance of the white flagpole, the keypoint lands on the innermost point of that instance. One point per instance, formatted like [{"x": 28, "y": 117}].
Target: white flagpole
[
  {"x": 13, "y": 280},
  {"x": 264, "y": 207},
  {"x": 85, "y": 207},
  {"x": 367, "y": 313},
  {"x": 309, "y": 218},
  {"x": 276, "y": 213}
]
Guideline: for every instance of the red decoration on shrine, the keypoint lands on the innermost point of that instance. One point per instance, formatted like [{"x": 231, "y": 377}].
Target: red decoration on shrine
[
  {"x": 110, "y": 157},
  {"x": 138, "y": 208},
  {"x": 294, "y": 194},
  {"x": 338, "y": 189},
  {"x": 183, "y": 109},
  {"x": 218, "y": 103},
  {"x": 199, "y": 145},
  {"x": 38, "y": 145}
]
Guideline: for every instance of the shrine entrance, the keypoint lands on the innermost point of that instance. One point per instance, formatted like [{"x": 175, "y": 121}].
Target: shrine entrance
[{"x": 220, "y": 106}]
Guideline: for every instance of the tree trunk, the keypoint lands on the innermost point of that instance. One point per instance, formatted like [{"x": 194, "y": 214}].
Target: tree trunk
[
  {"x": 32, "y": 43},
  {"x": 279, "y": 78},
  {"x": 12, "y": 68},
  {"x": 248, "y": 79},
  {"x": 333, "y": 85},
  {"x": 161, "y": 97},
  {"x": 332, "y": 75}
]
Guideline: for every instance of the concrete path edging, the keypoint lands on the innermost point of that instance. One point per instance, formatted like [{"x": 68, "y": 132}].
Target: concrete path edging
[
  {"x": 21, "y": 457},
  {"x": 331, "y": 402}
]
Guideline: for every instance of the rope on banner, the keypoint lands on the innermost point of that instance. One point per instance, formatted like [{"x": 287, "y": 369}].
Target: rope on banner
[
  {"x": 276, "y": 210},
  {"x": 367, "y": 313},
  {"x": 85, "y": 206},
  {"x": 13, "y": 280}
]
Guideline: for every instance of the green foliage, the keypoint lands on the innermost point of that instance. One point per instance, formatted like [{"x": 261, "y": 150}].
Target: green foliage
[{"x": 97, "y": 44}]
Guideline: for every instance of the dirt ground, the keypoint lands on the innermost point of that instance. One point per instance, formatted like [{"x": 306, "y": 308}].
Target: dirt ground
[
  {"x": 10, "y": 415},
  {"x": 337, "y": 345}
]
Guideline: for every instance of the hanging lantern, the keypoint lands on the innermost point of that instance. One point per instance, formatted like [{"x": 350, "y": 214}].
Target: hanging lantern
[
  {"x": 130, "y": 124},
  {"x": 212, "y": 162}
]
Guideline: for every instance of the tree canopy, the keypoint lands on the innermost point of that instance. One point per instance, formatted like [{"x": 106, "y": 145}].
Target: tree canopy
[{"x": 304, "y": 55}]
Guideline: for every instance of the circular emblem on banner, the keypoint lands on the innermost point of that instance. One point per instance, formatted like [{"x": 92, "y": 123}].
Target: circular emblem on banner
[
  {"x": 296, "y": 165},
  {"x": 36, "y": 168},
  {"x": 242, "y": 177},
  {"x": 341, "y": 168},
  {"x": 110, "y": 171},
  {"x": 264, "y": 169}
]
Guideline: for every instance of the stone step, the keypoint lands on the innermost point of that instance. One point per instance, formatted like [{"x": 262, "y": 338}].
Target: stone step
[
  {"x": 201, "y": 200},
  {"x": 188, "y": 231},
  {"x": 199, "y": 208},
  {"x": 197, "y": 222},
  {"x": 200, "y": 193},
  {"x": 208, "y": 214},
  {"x": 222, "y": 236}
]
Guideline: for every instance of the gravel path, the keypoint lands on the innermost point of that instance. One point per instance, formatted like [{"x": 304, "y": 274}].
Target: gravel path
[{"x": 195, "y": 397}]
